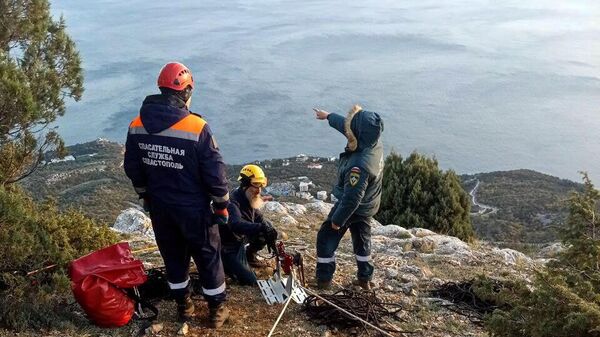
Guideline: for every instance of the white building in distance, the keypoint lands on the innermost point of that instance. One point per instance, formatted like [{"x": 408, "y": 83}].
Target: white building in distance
[
  {"x": 304, "y": 186},
  {"x": 66, "y": 158},
  {"x": 322, "y": 195}
]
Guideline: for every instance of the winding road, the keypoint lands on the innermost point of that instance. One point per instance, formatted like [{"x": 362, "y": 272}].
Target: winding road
[{"x": 483, "y": 209}]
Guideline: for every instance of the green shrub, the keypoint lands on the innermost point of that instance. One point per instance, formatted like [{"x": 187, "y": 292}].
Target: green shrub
[
  {"x": 39, "y": 68},
  {"x": 34, "y": 237},
  {"x": 556, "y": 307},
  {"x": 416, "y": 193},
  {"x": 565, "y": 300}
]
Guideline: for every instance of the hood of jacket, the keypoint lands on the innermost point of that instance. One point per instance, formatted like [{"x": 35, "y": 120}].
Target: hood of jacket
[
  {"x": 239, "y": 195},
  {"x": 160, "y": 112},
  {"x": 362, "y": 129}
]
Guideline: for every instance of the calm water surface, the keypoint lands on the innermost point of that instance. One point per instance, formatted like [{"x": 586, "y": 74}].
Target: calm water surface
[{"x": 482, "y": 85}]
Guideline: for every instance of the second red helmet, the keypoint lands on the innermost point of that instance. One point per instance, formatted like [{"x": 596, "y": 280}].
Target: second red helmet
[{"x": 176, "y": 76}]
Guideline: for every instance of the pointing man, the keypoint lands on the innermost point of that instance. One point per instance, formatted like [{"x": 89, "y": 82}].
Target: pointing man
[{"x": 358, "y": 190}]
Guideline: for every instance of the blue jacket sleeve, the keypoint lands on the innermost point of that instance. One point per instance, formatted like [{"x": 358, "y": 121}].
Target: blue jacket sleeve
[
  {"x": 337, "y": 122},
  {"x": 355, "y": 184},
  {"x": 132, "y": 164},
  {"x": 212, "y": 168},
  {"x": 238, "y": 225},
  {"x": 258, "y": 217}
]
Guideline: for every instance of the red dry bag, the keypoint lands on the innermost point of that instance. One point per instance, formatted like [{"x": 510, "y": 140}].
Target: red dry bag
[{"x": 99, "y": 280}]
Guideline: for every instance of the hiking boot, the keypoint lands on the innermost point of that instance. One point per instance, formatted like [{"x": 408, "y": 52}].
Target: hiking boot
[
  {"x": 364, "y": 284},
  {"x": 253, "y": 260},
  {"x": 185, "y": 310},
  {"x": 217, "y": 316},
  {"x": 323, "y": 285}
]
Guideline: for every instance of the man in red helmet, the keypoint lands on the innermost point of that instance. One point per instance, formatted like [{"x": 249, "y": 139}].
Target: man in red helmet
[{"x": 174, "y": 164}]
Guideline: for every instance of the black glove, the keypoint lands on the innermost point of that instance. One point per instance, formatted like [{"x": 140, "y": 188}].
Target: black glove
[
  {"x": 145, "y": 201},
  {"x": 270, "y": 234},
  {"x": 146, "y": 205}
]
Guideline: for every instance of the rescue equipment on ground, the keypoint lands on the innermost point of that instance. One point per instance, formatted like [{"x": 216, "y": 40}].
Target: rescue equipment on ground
[
  {"x": 279, "y": 289},
  {"x": 105, "y": 282}
]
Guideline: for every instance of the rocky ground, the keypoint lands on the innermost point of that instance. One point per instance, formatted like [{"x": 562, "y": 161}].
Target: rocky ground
[{"x": 409, "y": 263}]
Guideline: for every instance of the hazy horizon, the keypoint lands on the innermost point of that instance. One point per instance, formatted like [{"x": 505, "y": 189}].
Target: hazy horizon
[{"x": 481, "y": 85}]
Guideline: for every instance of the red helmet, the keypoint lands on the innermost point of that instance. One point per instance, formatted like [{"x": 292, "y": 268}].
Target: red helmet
[{"x": 176, "y": 76}]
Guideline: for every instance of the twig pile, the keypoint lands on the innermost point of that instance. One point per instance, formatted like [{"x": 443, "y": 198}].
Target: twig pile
[
  {"x": 464, "y": 300},
  {"x": 362, "y": 304}
]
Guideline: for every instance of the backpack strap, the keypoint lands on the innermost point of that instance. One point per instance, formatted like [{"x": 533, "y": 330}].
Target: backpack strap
[{"x": 142, "y": 304}]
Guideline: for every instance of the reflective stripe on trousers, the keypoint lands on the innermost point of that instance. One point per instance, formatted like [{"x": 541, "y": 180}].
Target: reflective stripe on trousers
[
  {"x": 325, "y": 259},
  {"x": 215, "y": 291},
  {"x": 360, "y": 258},
  {"x": 180, "y": 285}
]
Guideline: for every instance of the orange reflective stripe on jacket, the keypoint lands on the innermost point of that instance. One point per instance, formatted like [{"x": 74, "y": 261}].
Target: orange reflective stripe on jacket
[
  {"x": 137, "y": 122},
  {"x": 189, "y": 128},
  {"x": 191, "y": 123}
]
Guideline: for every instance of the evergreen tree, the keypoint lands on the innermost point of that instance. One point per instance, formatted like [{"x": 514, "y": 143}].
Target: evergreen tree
[
  {"x": 39, "y": 68},
  {"x": 582, "y": 233},
  {"x": 565, "y": 297},
  {"x": 416, "y": 193}
]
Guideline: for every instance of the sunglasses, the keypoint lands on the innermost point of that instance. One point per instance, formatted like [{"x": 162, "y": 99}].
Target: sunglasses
[{"x": 259, "y": 185}]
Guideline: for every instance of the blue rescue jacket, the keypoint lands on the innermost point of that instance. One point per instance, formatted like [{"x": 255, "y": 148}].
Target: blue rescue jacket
[
  {"x": 171, "y": 156},
  {"x": 243, "y": 221},
  {"x": 360, "y": 172}
]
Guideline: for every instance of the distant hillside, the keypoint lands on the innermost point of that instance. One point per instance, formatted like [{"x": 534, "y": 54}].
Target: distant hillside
[
  {"x": 531, "y": 206},
  {"x": 524, "y": 206},
  {"x": 94, "y": 182},
  {"x": 92, "y": 179}
]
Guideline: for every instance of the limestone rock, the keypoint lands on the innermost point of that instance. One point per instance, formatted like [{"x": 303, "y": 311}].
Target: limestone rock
[
  {"x": 319, "y": 207},
  {"x": 552, "y": 250},
  {"x": 421, "y": 232},
  {"x": 133, "y": 221},
  {"x": 450, "y": 245},
  {"x": 392, "y": 231},
  {"x": 408, "y": 278},
  {"x": 409, "y": 289},
  {"x": 288, "y": 220},
  {"x": 294, "y": 209},
  {"x": 390, "y": 246},
  {"x": 391, "y": 273},
  {"x": 436, "y": 282},
  {"x": 511, "y": 256},
  {"x": 275, "y": 207},
  {"x": 414, "y": 270},
  {"x": 422, "y": 245}
]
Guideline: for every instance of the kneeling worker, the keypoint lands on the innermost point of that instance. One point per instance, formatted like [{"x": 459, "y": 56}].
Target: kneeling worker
[{"x": 246, "y": 232}]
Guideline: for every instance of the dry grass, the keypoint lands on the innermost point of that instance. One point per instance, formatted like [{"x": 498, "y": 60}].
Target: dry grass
[{"x": 251, "y": 316}]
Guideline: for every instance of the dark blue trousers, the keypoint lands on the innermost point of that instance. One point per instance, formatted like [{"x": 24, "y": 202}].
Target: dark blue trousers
[
  {"x": 236, "y": 265},
  {"x": 183, "y": 233},
  {"x": 235, "y": 260},
  {"x": 328, "y": 240}
]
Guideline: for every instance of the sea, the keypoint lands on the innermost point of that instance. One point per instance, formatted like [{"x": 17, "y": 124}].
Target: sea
[{"x": 480, "y": 85}]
